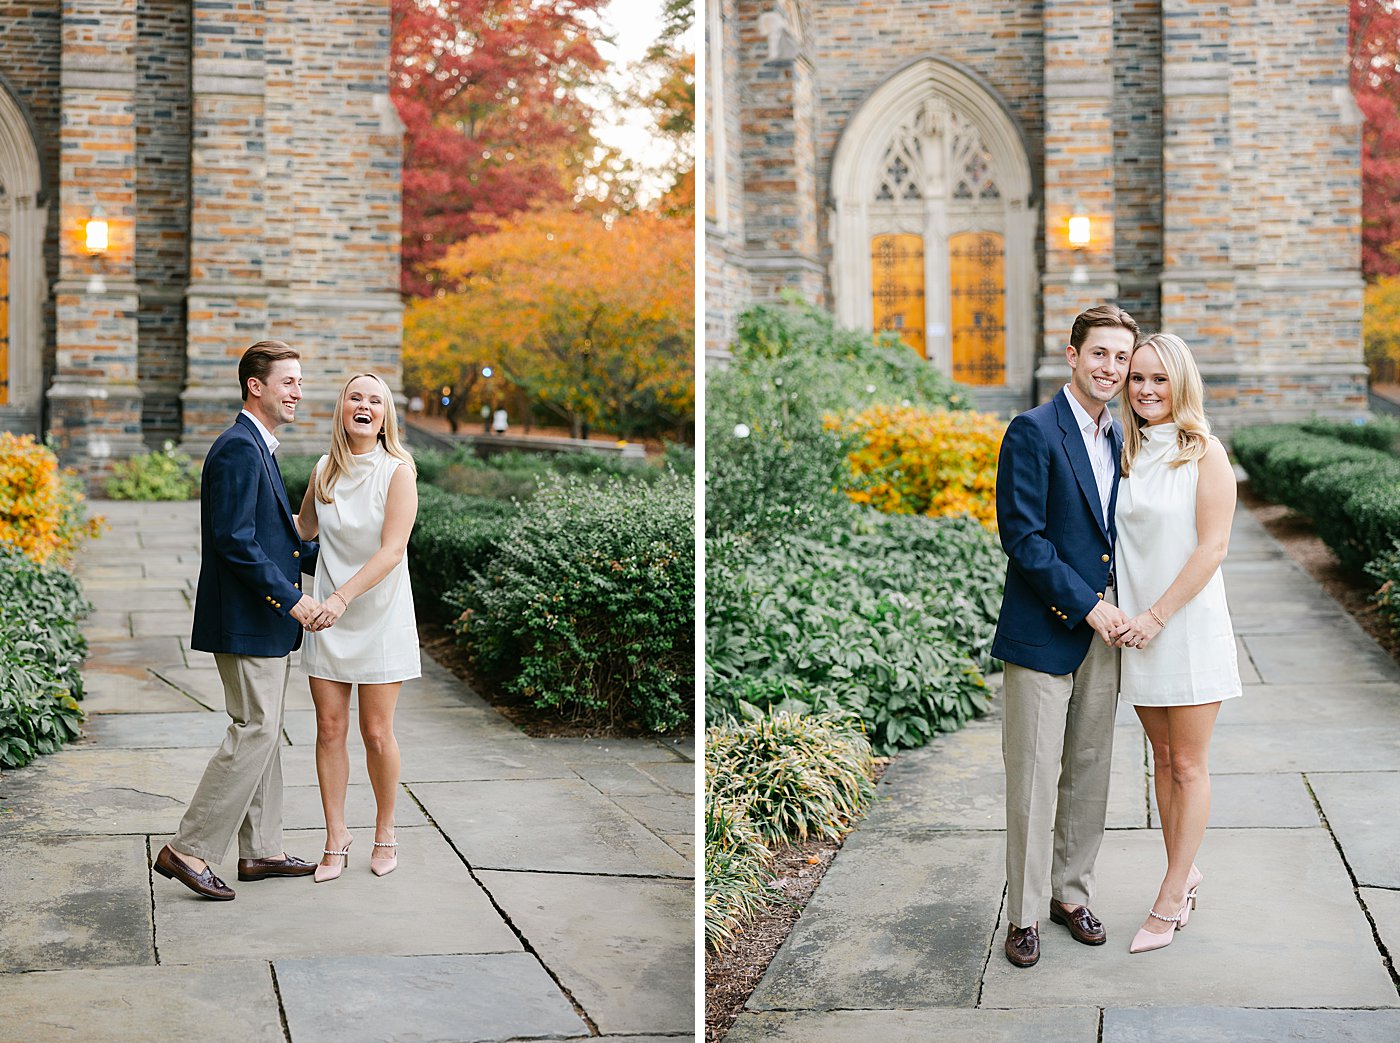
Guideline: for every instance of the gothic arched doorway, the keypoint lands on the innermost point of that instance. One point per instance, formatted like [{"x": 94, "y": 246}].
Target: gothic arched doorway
[
  {"x": 933, "y": 227},
  {"x": 21, "y": 271}
]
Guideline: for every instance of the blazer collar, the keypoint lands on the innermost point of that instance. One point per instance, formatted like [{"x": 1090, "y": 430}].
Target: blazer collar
[
  {"x": 1073, "y": 442},
  {"x": 274, "y": 475}
]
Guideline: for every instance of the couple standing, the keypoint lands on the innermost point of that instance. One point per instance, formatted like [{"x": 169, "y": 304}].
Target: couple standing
[
  {"x": 251, "y": 612},
  {"x": 1115, "y": 539}
]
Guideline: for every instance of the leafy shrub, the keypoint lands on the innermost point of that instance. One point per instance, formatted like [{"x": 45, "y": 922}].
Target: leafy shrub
[
  {"x": 166, "y": 475},
  {"x": 902, "y": 645},
  {"x": 1375, "y": 511},
  {"x": 41, "y": 656},
  {"x": 736, "y": 866},
  {"x": 910, "y": 460},
  {"x": 296, "y": 476},
  {"x": 1381, "y": 433},
  {"x": 41, "y": 507},
  {"x": 798, "y": 776},
  {"x": 587, "y": 603},
  {"x": 453, "y": 540},
  {"x": 1385, "y": 570},
  {"x": 1279, "y": 458},
  {"x": 1326, "y": 496}
]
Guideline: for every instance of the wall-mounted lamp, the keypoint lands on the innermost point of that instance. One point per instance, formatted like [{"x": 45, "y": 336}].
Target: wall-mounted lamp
[
  {"x": 95, "y": 231},
  {"x": 1079, "y": 231}
]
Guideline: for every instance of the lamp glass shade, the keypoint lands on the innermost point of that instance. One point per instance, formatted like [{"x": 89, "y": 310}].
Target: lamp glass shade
[
  {"x": 1079, "y": 232},
  {"x": 96, "y": 235}
]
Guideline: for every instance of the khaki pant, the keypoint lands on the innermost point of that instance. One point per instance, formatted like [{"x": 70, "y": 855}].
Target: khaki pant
[
  {"x": 241, "y": 791},
  {"x": 1057, "y": 742}
]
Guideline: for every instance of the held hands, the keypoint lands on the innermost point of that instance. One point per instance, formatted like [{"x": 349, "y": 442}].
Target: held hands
[
  {"x": 1137, "y": 632},
  {"x": 328, "y": 612},
  {"x": 1106, "y": 619}
]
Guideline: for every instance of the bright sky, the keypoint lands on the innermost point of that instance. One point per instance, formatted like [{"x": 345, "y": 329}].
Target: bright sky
[{"x": 634, "y": 26}]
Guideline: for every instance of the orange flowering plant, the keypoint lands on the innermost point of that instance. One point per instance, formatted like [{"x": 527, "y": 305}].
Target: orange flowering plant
[
  {"x": 914, "y": 460},
  {"x": 41, "y": 509}
]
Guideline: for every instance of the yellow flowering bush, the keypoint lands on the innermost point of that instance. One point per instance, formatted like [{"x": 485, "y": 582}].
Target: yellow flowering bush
[
  {"x": 914, "y": 460},
  {"x": 41, "y": 509}
]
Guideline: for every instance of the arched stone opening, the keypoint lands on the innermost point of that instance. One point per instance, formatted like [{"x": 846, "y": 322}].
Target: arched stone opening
[{"x": 21, "y": 271}]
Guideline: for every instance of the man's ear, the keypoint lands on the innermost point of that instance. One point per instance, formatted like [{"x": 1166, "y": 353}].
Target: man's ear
[{"x": 1071, "y": 355}]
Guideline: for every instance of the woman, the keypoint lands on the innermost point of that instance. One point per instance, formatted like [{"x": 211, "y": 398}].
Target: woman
[
  {"x": 362, "y": 498},
  {"x": 1175, "y": 505}
]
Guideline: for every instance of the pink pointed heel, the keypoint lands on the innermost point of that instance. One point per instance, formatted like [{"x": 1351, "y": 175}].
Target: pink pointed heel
[
  {"x": 383, "y": 865},
  {"x": 325, "y": 873},
  {"x": 1192, "y": 886},
  {"x": 1146, "y": 941}
]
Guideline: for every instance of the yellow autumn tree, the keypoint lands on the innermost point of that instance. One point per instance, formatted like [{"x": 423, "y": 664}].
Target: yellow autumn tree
[{"x": 592, "y": 319}]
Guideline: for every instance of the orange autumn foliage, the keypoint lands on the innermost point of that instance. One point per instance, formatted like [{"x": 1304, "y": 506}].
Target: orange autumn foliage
[
  {"x": 592, "y": 319},
  {"x": 911, "y": 460},
  {"x": 40, "y": 506}
]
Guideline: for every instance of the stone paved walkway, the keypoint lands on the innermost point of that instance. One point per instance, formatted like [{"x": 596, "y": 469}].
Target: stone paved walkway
[
  {"x": 1299, "y": 916},
  {"x": 544, "y": 890}
]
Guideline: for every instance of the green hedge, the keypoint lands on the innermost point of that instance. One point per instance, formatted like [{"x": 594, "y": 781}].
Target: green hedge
[
  {"x": 453, "y": 540},
  {"x": 810, "y": 623},
  {"x": 587, "y": 603},
  {"x": 41, "y": 656}
]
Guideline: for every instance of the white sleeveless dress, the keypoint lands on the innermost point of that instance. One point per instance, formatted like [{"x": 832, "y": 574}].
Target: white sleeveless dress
[
  {"x": 376, "y": 640},
  {"x": 1192, "y": 661}
]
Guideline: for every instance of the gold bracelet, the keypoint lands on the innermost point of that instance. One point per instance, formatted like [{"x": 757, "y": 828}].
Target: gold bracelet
[
  {"x": 338, "y": 594},
  {"x": 1151, "y": 612}
]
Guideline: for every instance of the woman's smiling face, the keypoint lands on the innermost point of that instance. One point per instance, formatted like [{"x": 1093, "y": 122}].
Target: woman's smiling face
[
  {"x": 362, "y": 411},
  {"x": 1149, "y": 389}
]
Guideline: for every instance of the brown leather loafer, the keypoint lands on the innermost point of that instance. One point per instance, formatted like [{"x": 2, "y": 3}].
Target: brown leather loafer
[
  {"x": 173, "y": 867},
  {"x": 263, "y": 868},
  {"x": 1083, "y": 924},
  {"x": 1023, "y": 945}
]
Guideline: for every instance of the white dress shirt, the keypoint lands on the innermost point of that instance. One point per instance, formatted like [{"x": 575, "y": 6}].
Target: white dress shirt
[
  {"x": 268, "y": 437},
  {"x": 1099, "y": 446}
]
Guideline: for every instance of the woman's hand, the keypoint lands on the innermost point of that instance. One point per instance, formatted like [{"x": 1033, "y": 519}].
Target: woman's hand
[
  {"x": 1137, "y": 632},
  {"x": 329, "y": 613}
]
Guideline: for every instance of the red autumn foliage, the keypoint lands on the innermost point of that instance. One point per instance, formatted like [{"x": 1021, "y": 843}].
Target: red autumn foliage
[
  {"x": 488, "y": 93},
  {"x": 1375, "y": 83}
]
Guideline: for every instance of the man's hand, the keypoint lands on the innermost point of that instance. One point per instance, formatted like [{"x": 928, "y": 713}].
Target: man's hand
[
  {"x": 304, "y": 611},
  {"x": 1106, "y": 619}
]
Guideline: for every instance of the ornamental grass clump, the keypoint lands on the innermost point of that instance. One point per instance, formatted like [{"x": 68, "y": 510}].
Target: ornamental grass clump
[
  {"x": 912, "y": 460},
  {"x": 799, "y": 776},
  {"x": 737, "y": 868}
]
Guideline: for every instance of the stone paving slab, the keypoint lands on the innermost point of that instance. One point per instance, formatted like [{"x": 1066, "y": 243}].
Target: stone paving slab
[
  {"x": 1363, "y": 811},
  {"x": 624, "y": 948},
  {"x": 926, "y": 907},
  {"x": 660, "y": 813},
  {"x": 358, "y": 914},
  {"x": 1294, "y": 659},
  {"x": 1249, "y": 674},
  {"x": 558, "y": 825},
  {"x": 1197, "y": 1024},
  {"x": 681, "y": 843},
  {"x": 203, "y": 686},
  {"x": 151, "y": 731},
  {"x": 676, "y": 777},
  {"x": 233, "y": 1001},
  {"x": 1273, "y": 801},
  {"x": 133, "y": 691},
  {"x": 605, "y": 751},
  {"x": 107, "y": 625},
  {"x": 85, "y": 790},
  {"x": 620, "y": 779},
  {"x": 161, "y": 622},
  {"x": 932, "y": 788},
  {"x": 1324, "y": 746},
  {"x": 138, "y": 651},
  {"x": 452, "y": 999},
  {"x": 1059, "y": 1025},
  {"x": 74, "y": 902},
  {"x": 413, "y": 727},
  {"x": 1319, "y": 951}
]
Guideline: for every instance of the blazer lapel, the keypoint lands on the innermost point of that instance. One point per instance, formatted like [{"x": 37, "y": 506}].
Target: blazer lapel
[
  {"x": 1079, "y": 459},
  {"x": 1116, "y": 440}
]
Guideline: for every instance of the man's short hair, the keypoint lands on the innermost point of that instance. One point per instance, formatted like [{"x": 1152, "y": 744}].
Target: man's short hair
[
  {"x": 1102, "y": 315},
  {"x": 257, "y": 361}
]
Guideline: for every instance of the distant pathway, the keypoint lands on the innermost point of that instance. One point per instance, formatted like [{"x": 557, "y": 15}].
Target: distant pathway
[
  {"x": 1298, "y": 928},
  {"x": 545, "y": 887}
]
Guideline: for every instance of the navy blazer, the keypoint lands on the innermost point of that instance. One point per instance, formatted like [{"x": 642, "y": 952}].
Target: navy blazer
[
  {"x": 251, "y": 557},
  {"x": 1053, "y": 531}
]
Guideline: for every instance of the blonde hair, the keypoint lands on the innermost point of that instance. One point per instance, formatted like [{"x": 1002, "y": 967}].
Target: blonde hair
[
  {"x": 1188, "y": 402},
  {"x": 338, "y": 460}
]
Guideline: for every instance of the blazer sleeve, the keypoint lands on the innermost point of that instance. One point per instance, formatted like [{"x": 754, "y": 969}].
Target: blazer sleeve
[
  {"x": 1023, "y": 496},
  {"x": 235, "y": 498}
]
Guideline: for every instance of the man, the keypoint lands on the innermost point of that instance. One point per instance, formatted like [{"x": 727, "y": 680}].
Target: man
[
  {"x": 249, "y": 611},
  {"x": 1057, "y": 484}
]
